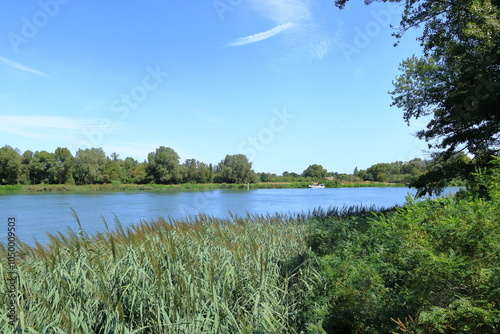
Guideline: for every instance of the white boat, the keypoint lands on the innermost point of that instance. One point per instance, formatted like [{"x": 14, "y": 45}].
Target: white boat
[{"x": 317, "y": 185}]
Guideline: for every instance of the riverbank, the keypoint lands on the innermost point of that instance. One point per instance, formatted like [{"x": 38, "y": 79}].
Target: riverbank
[
  {"x": 428, "y": 266},
  {"x": 187, "y": 186}
]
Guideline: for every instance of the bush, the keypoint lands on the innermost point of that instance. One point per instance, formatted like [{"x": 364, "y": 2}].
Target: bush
[{"x": 429, "y": 267}]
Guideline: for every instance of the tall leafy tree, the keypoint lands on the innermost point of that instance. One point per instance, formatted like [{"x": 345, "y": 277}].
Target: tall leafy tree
[
  {"x": 264, "y": 177},
  {"x": 24, "y": 177},
  {"x": 10, "y": 165},
  {"x": 205, "y": 173},
  {"x": 89, "y": 166},
  {"x": 139, "y": 174},
  {"x": 63, "y": 165},
  {"x": 41, "y": 168},
  {"x": 456, "y": 82},
  {"x": 129, "y": 165},
  {"x": 114, "y": 172},
  {"x": 195, "y": 171},
  {"x": 163, "y": 166},
  {"x": 413, "y": 167},
  {"x": 315, "y": 171},
  {"x": 191, "y": 171},
  {"x": 236, "y": 169},
  {"x": 380, "y": 172}
]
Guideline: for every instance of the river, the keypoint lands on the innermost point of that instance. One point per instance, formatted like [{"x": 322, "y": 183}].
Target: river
[{"x": 39, "y": 213}]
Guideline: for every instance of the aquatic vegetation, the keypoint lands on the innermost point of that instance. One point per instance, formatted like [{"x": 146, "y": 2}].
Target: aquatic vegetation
[
  {"x": 427, "y": 267},
  {"x": 202, "y": 275}
]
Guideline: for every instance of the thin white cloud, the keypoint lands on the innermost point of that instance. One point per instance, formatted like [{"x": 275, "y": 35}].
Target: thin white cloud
[
  {"x": 262, "y": 36},
  {"x": 306, "y": 39},
  {"x": 53, "y": 122},
  {"x": 42, "y": 126},
  {"x": 283, "y": 10},
  {"x": 20, "y": 66},
  {"x": 321, "y": 45}
]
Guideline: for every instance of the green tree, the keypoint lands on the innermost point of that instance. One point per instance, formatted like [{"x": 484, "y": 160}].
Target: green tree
[
  {"x": 138, "y": 174},
  {"x": 89, "y": 166},
  {"x": 412, "y": 170},
  {"x": 456, "y": 81},
  {"x": 363, "y": 174},
  {"x": 41, "y": 168},
  {"x": 63, "y": 165},
  {"x": 196, "y": 171},
  {"x": 24, "y": 176},
  {"x": 10, "y": 165},
  {"x": 115, "y": 157},
  {"x": 236, "y": 169},
  {"x": 380, "y": 172},
  {"x": 191, "y": 170},
  {"x": 129, "y": 165},
  {"x": 441, "y": 170},
  {"x": 265, "y": 177},
  {"x": 414, "y": 167},
  {"x": 163, "y": 166},
  {"x": 315, "y": 171},
  {"x": 113, "y": 171},
  {"x": 204, "y": 172}
]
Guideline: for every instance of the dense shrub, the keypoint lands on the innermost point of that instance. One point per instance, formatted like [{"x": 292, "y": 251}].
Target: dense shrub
[{"x": 429, "y": 267}]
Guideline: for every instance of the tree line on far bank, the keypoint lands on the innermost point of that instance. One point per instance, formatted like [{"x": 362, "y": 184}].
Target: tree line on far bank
[{"x": 93, "y": 166}]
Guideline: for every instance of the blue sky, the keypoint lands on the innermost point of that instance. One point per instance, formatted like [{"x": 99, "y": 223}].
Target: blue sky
[{"x": 289, "y": 83}]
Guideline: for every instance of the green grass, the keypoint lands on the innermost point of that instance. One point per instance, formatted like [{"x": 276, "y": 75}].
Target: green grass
[
  {"x": 185, "y": 186},
  {"x": 11, "y": 188}
]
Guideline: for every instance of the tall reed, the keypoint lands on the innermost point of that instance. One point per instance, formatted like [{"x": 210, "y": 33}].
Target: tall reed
[{"x": 198, "y": 275}]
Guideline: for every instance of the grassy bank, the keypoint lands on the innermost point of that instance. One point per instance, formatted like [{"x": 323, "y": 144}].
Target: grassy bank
[
  {"x": 429, "y": 267},
  {"x": 187, "y": 186}
]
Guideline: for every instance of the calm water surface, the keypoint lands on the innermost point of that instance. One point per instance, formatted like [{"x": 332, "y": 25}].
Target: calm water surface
[{"x": 37, "y": 214}]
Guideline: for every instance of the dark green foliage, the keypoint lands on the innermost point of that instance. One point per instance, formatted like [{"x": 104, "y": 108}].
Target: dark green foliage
[
  {"x": 235, "y": 169},
  {"x": 89, "y": 166},
  {"x": 42, "y": 167},
  {"x": 442, "y": 171},
  {"x": 63, "y": 165},
  {"x": 429, "y": 267},
  {"x": 456, "y": 82},
  {"x": 194, "y": 171},
  {"x": 394, "y": 172},
  {"x": 113, "y": 171},
  {"x": 162, "y": 167},
  {"x": 315, "y": 171},
  {"x": 264, "y": 177},
  {"x": 10, "y": 165}
]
